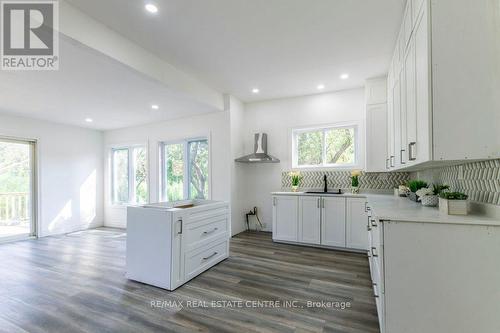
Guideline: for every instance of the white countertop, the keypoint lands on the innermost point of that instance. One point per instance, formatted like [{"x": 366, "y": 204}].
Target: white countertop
[
  {"x": 345, "y": 195},
  {"x": 390, "y": 207}
]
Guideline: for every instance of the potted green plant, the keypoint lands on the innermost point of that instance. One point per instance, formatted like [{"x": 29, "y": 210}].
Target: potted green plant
[
  {"x": 414, "y": 186},
  {"x": 355, "y": 181},
  {"x": 453, "y": 203},
  {"x": 296, "y": 177}
]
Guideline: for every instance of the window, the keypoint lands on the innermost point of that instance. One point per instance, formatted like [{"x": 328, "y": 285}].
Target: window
[
  {"x": 129, "y": 179},
  {"x": 334, "y": 146},
  {"x": 184, "y": 170}
]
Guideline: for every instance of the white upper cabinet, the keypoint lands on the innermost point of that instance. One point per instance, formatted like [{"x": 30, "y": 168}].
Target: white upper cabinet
[
  {"x": 376, "y": 91},
  {"x": 443, "y": 101},
  {"x": 410, "y": 102},
  {"x": 376, "y": 124},
  {"x": 285, "y": 218},
  {"x": 309, "y": 220},
  {"x": 407, "y": 24},
  {"x": 422, "y": 152},
  {"x": 376, "y": 137}
]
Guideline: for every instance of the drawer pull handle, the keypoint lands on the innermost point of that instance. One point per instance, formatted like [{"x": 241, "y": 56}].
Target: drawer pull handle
[
  {"x": 374, "y": 223},
  {"x": 373, "y": 252},
  {"x": 210, "y": 256},
  {"x": 209, "y": 232},
  {"x": 180, "y": 231}
]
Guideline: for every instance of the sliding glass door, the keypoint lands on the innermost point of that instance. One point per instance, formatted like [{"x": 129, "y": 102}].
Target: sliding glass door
[{"x": 17, "y": 189}]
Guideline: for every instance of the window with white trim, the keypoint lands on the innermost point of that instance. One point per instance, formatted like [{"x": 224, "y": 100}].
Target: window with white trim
[
  {"x": 129, "y": 175},
  {"x": 184, "y": 169},
  {"x": 331, "y": 147}
]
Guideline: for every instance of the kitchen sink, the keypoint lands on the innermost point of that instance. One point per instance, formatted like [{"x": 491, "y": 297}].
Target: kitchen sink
[{"x": 322, "y": 192}]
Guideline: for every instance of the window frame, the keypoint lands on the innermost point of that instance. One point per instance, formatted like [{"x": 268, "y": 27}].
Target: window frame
[
  {"x": 325, "y": 128},
  {"x": 131, "y": 176},
  {"x": 186, "y": 169}
]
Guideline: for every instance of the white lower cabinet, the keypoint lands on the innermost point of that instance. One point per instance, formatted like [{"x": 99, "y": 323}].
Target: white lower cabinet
[
  {"x": 333, "y": 222},
  {"x": 285, "y": 218},
  {"x": 310, "y": 220},
  {"x": 435, "y": 277},
  {"x": 320, "y": 220},
  {"x": 356, "y": 228}
]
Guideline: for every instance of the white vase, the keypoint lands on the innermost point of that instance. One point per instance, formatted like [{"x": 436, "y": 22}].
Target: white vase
[
  {"x": 355, "y": 190},
  {"x": 429, "y": 200}
]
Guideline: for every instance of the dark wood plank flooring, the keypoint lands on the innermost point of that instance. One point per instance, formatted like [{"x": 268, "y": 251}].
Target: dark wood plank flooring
[{"x": 76, "y": 283}]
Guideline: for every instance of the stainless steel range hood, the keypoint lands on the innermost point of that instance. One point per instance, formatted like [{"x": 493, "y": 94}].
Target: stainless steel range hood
[{"x": 260, "y": 152}]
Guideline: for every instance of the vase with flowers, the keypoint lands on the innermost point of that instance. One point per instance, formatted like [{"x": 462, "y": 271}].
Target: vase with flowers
[
  {"x": 295, "y": 177},
  {"x": 355, "y": 181}
]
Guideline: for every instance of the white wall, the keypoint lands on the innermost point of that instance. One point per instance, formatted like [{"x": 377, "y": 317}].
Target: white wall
[
  {"x": 214, "y": 125},
  {"x": 238, "y": 177},
  {"x": 277, "y": 118},
  {"x": 70, "y": 161}
]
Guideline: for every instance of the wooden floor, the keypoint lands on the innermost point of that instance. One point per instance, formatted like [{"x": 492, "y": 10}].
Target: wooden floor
[{"x": 76, "y": 283}]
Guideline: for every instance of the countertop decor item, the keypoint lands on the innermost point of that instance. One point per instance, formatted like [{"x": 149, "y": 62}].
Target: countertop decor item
[
  {"x": 296, "y": 177},
  {"x": 414, "y": 186},
  {"x": 402, "y": 191},
  {"x": 453, "y": 203},
  {"x": 427, "y": 197},
  {"x": 355, "y": 181}
]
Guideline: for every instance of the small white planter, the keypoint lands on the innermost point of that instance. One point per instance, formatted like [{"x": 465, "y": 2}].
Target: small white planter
[
  {"x": 429, "y": 200},
  {"x": 453, "y": 207}
]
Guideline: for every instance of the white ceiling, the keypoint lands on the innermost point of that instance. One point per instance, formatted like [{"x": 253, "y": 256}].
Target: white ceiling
[
  {"x": 91, "y": 85},
  {"x": 283, "y": 47}
]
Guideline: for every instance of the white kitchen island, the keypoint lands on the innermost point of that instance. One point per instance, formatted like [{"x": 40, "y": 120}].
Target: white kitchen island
[{"x": 168, "y": 244}]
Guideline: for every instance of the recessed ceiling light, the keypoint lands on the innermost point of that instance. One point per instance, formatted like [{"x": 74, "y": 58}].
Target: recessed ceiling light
[
  {"x": 255, "y": 90},
  {"x": 344, "y": 76},
  {"x": 155, "y": 107},
  {"x": 89, "y": 120},
  {"x": 151, "y": 8},
  {"x": 320, "y": 86}
]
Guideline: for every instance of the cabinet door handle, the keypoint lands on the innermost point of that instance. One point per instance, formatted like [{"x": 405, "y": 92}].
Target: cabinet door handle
[
  {"x": 209, "y": 232},
  {"x": 210, "y": 256},
  {"x": 393, "y": 158},
  {"x": 180, "y": 221},
  {"x": 322, "y": 202},
  {"x": 387, "y": 163},
  {"x": 373, "y": 252},
  {"x": 318, "y": 205},
  {"x": 402, "y": 160},
  {"x": 373, "y": 223},
  {"x": 375, "y": 291},
  {"x": 274, "y": 201},
  {"x": 411, "y": 151}
]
